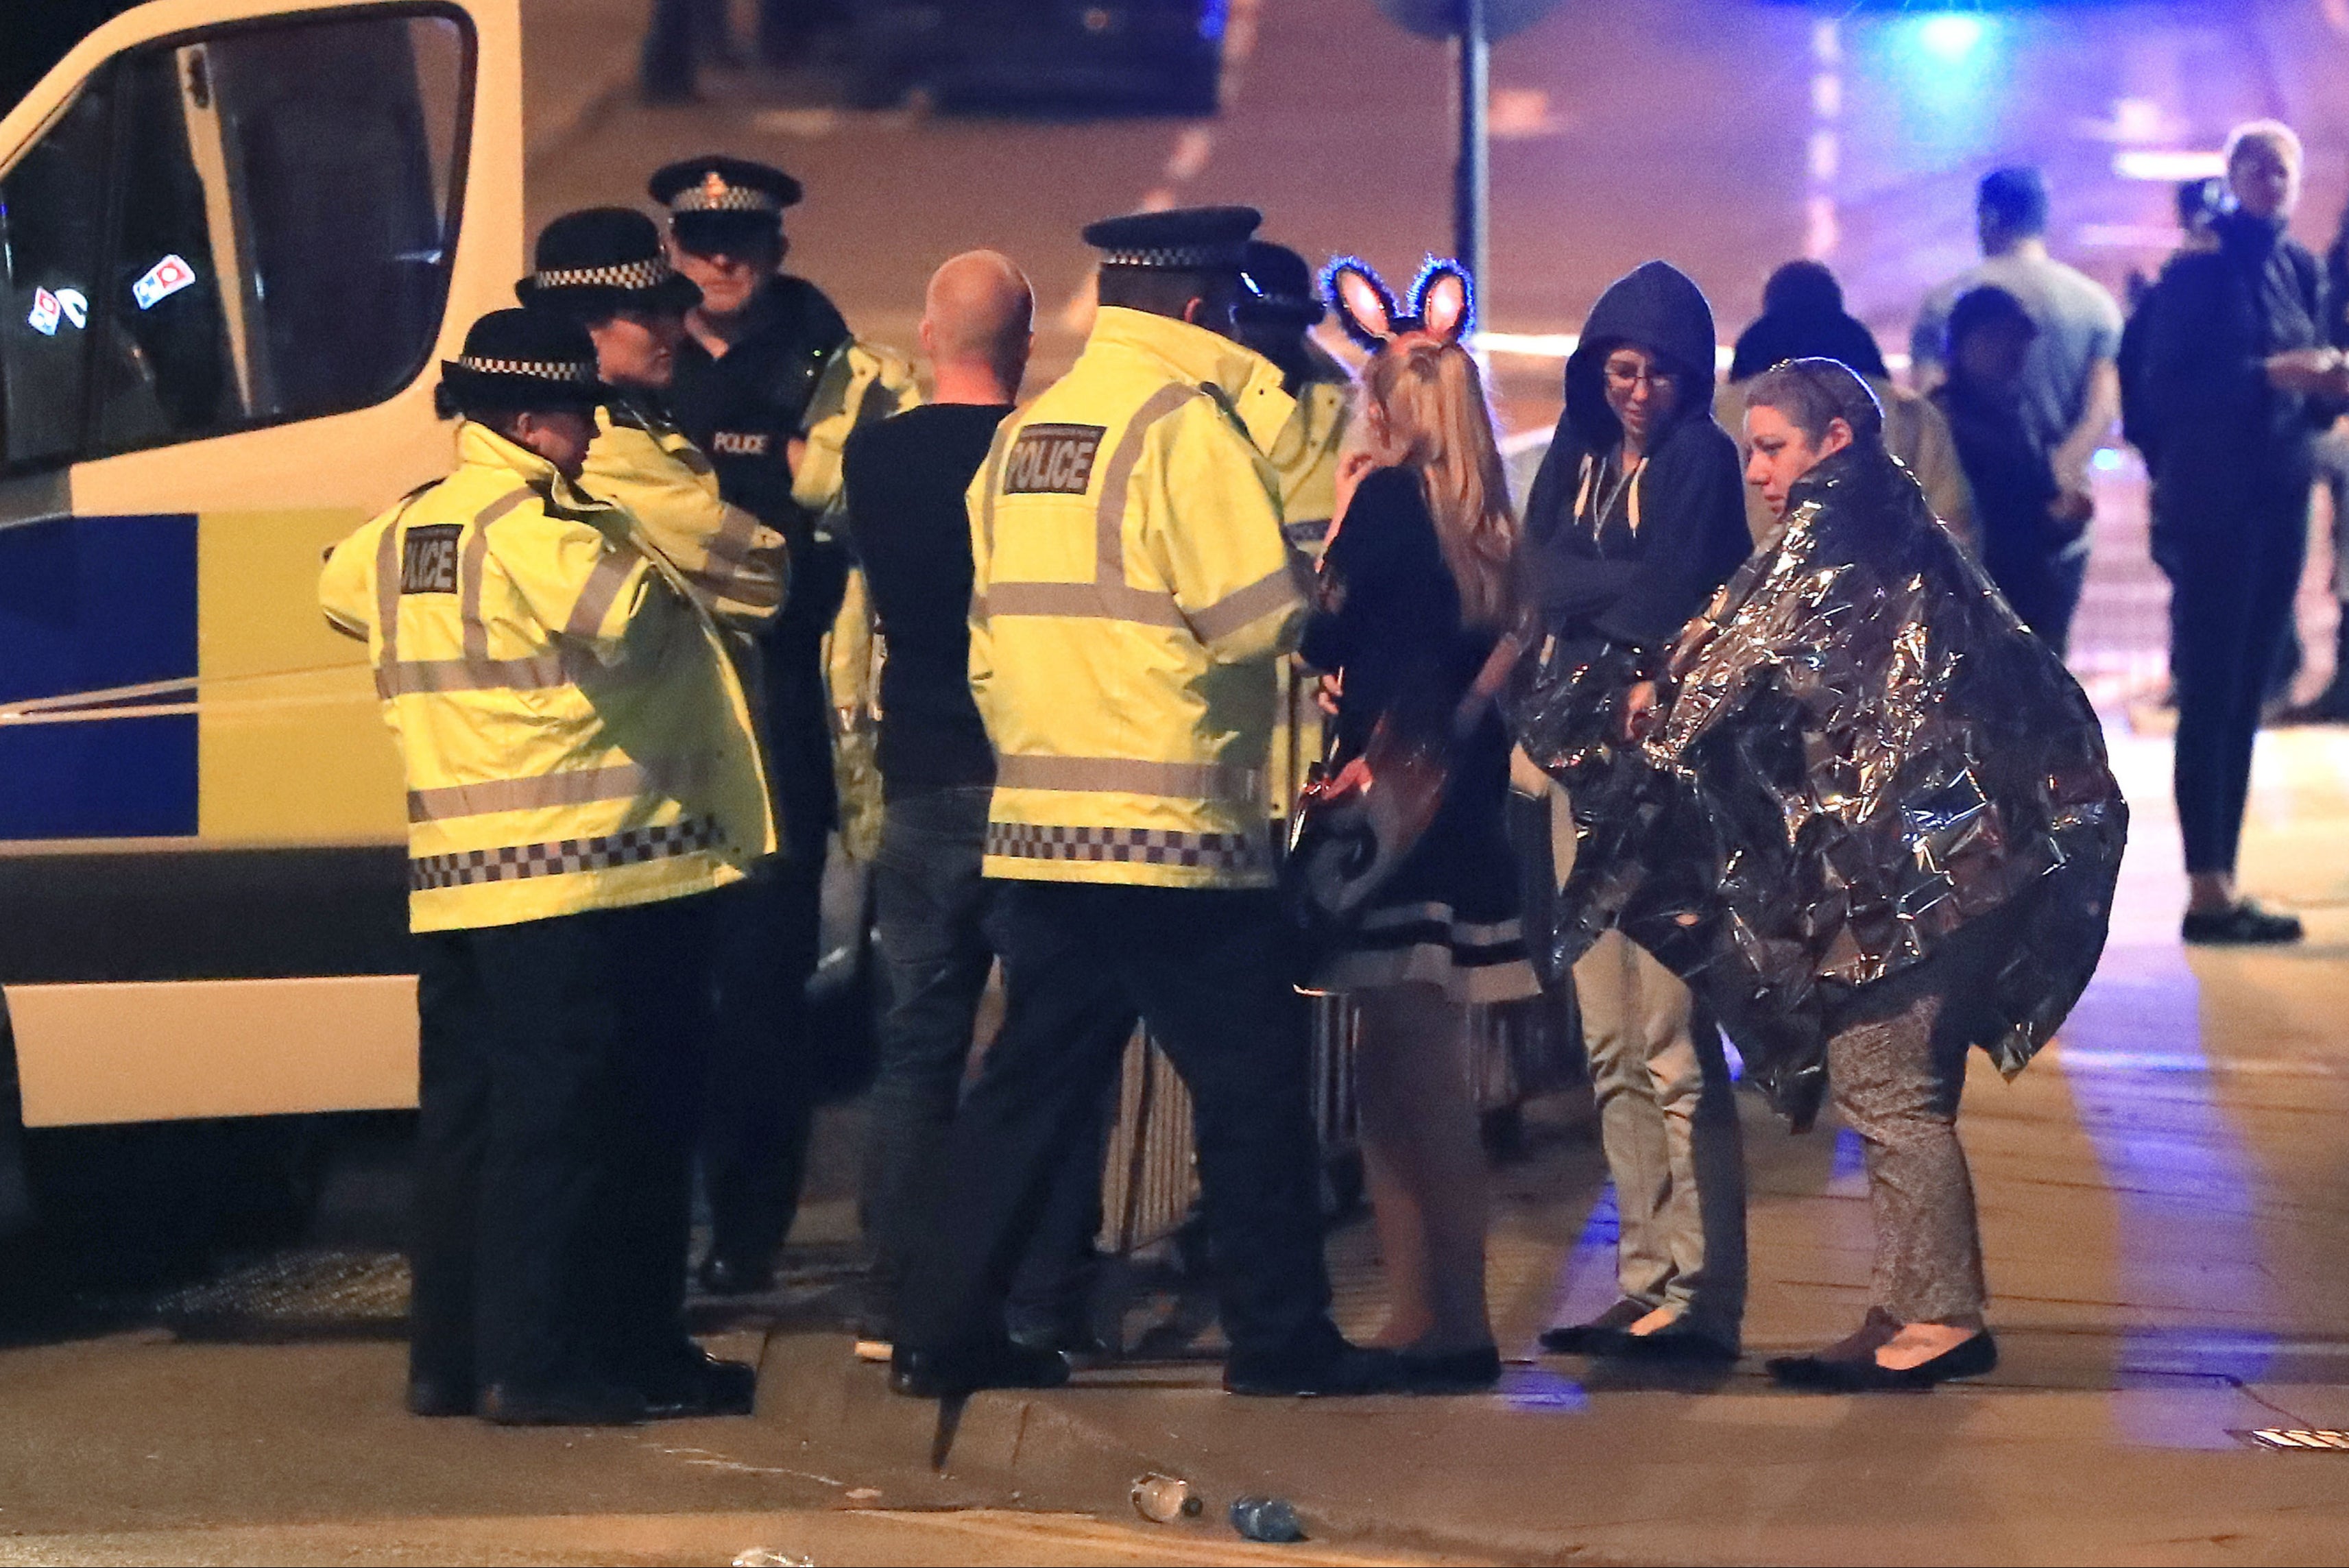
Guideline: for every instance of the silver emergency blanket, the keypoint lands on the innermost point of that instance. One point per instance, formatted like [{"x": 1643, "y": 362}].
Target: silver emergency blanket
[{"x": 1860, "y": 752}]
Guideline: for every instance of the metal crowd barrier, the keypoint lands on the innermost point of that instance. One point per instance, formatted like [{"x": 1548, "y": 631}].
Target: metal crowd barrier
[{"x": 1149, "y": 1177}]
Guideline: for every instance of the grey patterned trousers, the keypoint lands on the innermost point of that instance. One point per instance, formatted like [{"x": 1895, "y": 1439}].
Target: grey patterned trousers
[{"x": 1897, "y": 1064}]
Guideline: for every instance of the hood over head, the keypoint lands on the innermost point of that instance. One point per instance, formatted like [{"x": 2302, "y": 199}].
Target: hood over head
[{"x": 1658, "y": 307}]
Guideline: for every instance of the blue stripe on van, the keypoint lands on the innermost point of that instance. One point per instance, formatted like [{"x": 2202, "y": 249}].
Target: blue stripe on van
[{"x": 89, "y": 604}]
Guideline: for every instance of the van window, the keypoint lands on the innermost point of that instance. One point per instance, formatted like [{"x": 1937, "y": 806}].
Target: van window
[
  {"x": 52, "y": 235},
  {"x": 265, "y": 221}
]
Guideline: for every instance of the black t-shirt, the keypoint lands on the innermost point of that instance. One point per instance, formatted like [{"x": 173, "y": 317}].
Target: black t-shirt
[{"x": 906, "y": 479}]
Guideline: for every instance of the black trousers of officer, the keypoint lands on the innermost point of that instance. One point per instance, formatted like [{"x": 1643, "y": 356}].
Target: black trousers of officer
[
  {"x": 762, "y": 1100},
  {"x": 1209, "y": 972},
  {"x": 2232, "y": 579},
  {"x": 561, "y": 1084}
]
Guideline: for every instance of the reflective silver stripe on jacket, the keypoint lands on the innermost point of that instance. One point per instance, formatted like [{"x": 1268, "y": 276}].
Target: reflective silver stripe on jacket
[
  {"x": 515, "y": 863},
  {"x": 1128, "y": 776},
  {"x": 602, "y": 591},
  {"x": 476, "y": 670},
  {"x": 1236, "y": 612},
  {"x": 1108, "y": 597},
  {"x": 574, "y": 787},
  {"x": 1145, "y": 846}
]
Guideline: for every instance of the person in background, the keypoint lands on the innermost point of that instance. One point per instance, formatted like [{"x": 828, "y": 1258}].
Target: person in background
[
  {"x": 2331, "y": 455},
  {"x": 1132, "y": 596},
  {"x": 2033, "y": 541},
  {"x": 2241, "y": 375},
  {"x": 2071, "y": 383},
  {"x": 524, "y": 644},
  {"x": 1637, "y": 516},
  {"x": 906, "y": 478},
  {"x": 1416, "y": 590},
  {"x": 767, "y": 382},
  {"x": 1803, "y": 318}
]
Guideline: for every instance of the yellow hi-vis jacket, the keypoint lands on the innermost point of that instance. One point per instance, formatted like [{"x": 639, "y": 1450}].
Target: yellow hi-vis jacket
[
  {"x": 861, "y": 383},
  {"x": 1130, "y": 597},
  {"x": 1306, "y": 454},
  {"x": 573, "y": 733},
  {"x": 736, "y": 566}
]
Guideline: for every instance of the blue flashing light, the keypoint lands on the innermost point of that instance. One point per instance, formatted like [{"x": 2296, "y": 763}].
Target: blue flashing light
[{"x": 1952, "y": 37}]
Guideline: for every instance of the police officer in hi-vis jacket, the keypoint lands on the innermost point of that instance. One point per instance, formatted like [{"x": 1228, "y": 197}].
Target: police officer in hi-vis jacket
[
  {"x": 582, "y": 772},
  {"x": 1131, "y": 597}
]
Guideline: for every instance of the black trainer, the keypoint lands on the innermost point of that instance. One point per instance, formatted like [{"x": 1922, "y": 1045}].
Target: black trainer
[
  {"x": 2245, "y": 925},
  {"x": 965, "y": 1369}
]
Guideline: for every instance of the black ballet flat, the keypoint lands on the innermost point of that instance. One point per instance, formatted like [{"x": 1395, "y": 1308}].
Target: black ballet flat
[
  {"x": 1676, "y": 1344},
  {"x": 1824, "y": 1375}
]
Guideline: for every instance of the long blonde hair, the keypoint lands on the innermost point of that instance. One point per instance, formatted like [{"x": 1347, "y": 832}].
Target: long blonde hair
[{"x": 1439, "y": 425}]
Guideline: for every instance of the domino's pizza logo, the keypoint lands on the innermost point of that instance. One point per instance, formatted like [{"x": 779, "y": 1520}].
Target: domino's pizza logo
[{"x": 164, "y": 279}]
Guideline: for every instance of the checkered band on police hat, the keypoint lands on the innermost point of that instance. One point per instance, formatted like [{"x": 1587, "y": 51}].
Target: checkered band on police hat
[
  {"x": 715, "y": 193},
  {"x": 633, "y": 276},
  {"x": 561, "y": 370},
  {"x": 1180, "y": 258}
]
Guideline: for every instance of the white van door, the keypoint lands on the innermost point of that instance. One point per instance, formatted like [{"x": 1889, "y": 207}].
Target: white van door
[{"x": 236, "y": 237}]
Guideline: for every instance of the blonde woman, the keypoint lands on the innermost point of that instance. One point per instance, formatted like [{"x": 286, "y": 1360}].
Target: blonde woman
[{"x": 1416, "y": 597}]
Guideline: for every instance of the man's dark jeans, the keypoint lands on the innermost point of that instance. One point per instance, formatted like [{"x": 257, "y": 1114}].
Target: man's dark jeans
[{"x": 931, "y": 906}]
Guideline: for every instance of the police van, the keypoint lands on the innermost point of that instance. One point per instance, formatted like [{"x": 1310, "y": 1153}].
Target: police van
[{"x": 236, "y": 236}]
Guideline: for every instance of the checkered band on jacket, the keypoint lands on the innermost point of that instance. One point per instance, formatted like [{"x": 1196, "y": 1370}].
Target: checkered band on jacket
[
  {"x": 1143, "y": 846},
  {"x": 512, "y": 862}
]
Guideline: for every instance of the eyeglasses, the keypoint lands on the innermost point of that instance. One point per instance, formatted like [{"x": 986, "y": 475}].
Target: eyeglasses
[{"x": 1626, "y": 374}]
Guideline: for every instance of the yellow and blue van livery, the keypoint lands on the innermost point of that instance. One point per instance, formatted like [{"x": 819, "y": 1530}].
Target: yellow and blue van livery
[{"x": 202, "y": 826}]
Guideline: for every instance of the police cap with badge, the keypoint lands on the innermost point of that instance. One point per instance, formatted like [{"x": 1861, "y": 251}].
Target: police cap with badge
[
  {"x": 1185, "y": 240},
  {"x": 522, "y": 361},
  {"x": 717, "y": 202},
  {"x": 592, "y": 264}
]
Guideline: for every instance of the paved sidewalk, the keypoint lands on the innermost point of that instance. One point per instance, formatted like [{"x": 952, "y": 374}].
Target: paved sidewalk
[{"x": 2168, "y": 1226}]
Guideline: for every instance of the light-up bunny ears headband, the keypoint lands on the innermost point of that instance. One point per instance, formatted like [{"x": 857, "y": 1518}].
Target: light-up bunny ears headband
[{"x": 1442, "y": 303}]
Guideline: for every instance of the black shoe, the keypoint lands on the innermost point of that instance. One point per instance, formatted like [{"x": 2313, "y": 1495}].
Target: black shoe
[
  {"x": 1452, "y": 1371},
  {"x": 724, "y": 1275},
  {"x": 1080, "y": 1343},
  {"x": 1003, "y": 1364},
  {"x": 2245, "y": 925},
  {"x": 1596, "y": 1336},
  {"x": 440, "y": 1397},
  {"x": 1676, "y": 1343},
  {"x": 1334, "y": 1370},
  {"x": 693, "y": 1383},
  {"x": 580, "y": 1404},
  {"x": 1820, "y": 1374}
]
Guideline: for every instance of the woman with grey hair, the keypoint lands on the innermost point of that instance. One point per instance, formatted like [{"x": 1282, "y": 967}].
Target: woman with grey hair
[
  {"x": 1875, "y": 826},
  {"x": 2239, "y": 379}
]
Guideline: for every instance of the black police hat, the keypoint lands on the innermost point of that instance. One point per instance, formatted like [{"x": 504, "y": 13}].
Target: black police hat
[
  {"x": 1280, "y": 284},
  {"x": 1188, "y": 239},
  {"x": 524, "y": 360},
  {"x": 714, "y": 201},
  {"x": 591, "y": 264}
]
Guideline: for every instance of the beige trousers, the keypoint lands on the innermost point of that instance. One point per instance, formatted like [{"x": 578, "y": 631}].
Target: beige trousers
[{"x": 1668, "y": 1122}]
